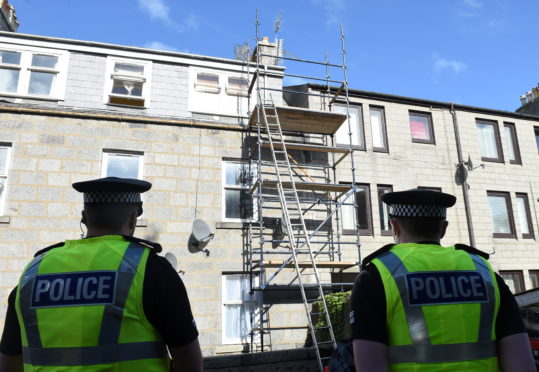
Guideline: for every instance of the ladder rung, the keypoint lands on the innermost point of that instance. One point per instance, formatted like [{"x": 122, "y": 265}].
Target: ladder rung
[{"x": 324, "y": 342}]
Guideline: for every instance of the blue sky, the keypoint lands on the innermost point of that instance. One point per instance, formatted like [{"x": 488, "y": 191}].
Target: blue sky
[{"x": 475, "y": 52}]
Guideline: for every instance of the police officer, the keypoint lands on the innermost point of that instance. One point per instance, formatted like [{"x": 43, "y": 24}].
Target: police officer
[
  {"x": 418, "y": 306},
  {"x": 104, "y": 303}
]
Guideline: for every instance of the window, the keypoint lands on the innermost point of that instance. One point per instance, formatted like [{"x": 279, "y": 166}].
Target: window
[
  {"x": 501, "y": 214},
  {"x": 537, "y": 137},
  {"x": 431, "y": 188},
  {"x": 237, "y": 86},
  {"x": 378, "y": 127},
  {"x": 421, "y": 127},
  {"x": 534, "y": 278},
  {"x": 524, "y": 216},
  {"x": 117, "y": 163},
  {"x": 364, "y": 212},
  {"x": 514, "y": 280},
  {"x": 511, "y": 141},
  {"x": 237, "y": 200},
  {"x": 33, "y": 72},
  {"x": 5, "y": 151},
  {"x": 385, "y": 227},
  {"x": 356, "y": 121},
  {"x": 207, "y": 82},
  {"x": 129, "y": 82},
  {"x": 489, "y": 141},
  {"x": 237, "y": 301}
]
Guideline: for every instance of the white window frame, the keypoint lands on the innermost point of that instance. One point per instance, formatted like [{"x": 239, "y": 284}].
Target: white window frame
[
  {"x": 358, "y": 127},
  {"x": 236, "y": 187},
  {"x": 4, "y": 176},
  {"x": 246, "y": 304},
  {"x": 107, "y": 153},
  {"x": 146, "y": 80},
  {"x": 25, "y": 69}
]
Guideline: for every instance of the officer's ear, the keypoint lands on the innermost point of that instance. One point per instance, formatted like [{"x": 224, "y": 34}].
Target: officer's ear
[
  {"x": 395, "y": 226},
  {"x": 83, "y": 219},
  {"x": 444, "y": 228}
]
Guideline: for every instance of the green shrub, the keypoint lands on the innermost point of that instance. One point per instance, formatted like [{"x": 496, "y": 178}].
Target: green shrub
[{"x": 338, "y": 307}]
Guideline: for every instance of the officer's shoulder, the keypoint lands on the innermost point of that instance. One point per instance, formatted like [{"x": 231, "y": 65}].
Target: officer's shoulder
[
  {"x": 472, "y": 250},
  {"x": 45, "y": 250},
  {"x": 155, "y": 247},
  {"x": 376, "y": 254}
]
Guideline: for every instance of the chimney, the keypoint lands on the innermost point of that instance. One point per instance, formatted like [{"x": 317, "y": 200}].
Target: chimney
[
  {"x": 523, "y": 99},
  {"x": 8, "y": 19},
  {"x": 270, "y": 51}
]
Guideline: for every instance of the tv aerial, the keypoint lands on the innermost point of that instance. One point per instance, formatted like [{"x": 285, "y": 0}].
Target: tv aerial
[{"x": 200, "y": 237}]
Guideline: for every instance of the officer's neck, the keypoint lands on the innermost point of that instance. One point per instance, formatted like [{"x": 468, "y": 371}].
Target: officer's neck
[
  {"x": 94, "y": 232},
  {"x": 419, "y": 239}
]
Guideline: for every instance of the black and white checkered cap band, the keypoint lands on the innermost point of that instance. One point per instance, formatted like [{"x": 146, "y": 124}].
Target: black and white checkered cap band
[
  {"x": 411, "y": 210},
  {"x": 111, "y": 197}
]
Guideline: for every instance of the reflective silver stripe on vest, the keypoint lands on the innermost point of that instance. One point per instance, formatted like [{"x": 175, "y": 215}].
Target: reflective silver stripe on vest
[
  {"x": 29, "y": 314},
  {"x": 486, "y": 323},
  {"x": 414, "y": 314},
  {"x": 442, "y": 353},
  {"x": 113, "y": 313},
  {"x": 85, "y": 356}
]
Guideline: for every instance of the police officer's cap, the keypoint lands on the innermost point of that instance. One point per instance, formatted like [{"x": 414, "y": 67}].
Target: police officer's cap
[
  {"x": 418, "y": 203},
  {"x": 112, "y": 190}
]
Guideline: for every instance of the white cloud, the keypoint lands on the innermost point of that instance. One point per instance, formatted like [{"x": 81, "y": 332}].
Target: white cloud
[
  {"x": 159, "y": 46},
  {"x": 156, "y": 9},
  {"x": 475, "y": 4},
  {"x": 190, "y": 23},
  {"x": 441, "y": 64},
  {"x": 332, "y": 9}
]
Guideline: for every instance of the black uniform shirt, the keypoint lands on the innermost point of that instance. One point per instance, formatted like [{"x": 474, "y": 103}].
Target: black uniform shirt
[
  {"x": 369, "y": 308},
  {"x": 165, "y": 304}
]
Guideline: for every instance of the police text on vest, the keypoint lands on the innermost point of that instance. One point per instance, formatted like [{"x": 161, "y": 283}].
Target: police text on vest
[
  {"x": 74, "y": 289},
  {"x": 445, "y": 287}
]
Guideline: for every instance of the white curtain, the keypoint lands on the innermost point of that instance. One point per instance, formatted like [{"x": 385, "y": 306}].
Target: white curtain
[
  {"x": 236, "y": 301},
  {"x": 509, "y": 143},
  {"x": 487, "y": 141},
  {"x": 523, "y": 216},
  {"x": 341, "y": 136},
  {"x": 499, "y": 214},
  {"x": 348, "y": 214},
  {"x": 377, "y": 128}
]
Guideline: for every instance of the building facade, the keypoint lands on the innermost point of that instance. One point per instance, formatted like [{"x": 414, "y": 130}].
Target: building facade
[{"x": 73, "y": 110}]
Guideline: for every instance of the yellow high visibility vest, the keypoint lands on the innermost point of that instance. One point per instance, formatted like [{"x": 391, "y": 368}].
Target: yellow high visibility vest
[
  {"x": 442, "y": 305},
  {"x": 80, "y": 309}
]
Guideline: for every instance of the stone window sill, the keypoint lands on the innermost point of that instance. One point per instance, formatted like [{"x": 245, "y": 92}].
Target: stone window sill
[{"x": 5, "y": 219}]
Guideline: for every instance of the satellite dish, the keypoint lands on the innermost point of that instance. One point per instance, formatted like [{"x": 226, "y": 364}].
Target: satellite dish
[
  {"x": 172, "y": 260},
  {"x": 200, "y": 237}
]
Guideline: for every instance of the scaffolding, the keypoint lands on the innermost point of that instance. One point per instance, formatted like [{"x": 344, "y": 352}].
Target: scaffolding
[{"x": 294, "y": 242}]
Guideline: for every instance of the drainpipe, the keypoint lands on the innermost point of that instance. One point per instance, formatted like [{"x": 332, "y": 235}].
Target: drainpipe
[{"x": 463, "y": 175}]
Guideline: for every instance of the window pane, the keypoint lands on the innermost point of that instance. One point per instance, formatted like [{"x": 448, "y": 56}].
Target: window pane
[
  {"x": 237, "y": 174},
  {"x": 487, "y": 140},
  {"x": 523, "y": 215},
  {"x": 419, "y": 127},
  {"x": 237, "y": 83},
  {"x": 3, "y": 160},
  {"x": 9, "y": 79},
  {"x": 207, "y": 78},
  {"x": 128, "y": 69},
  {"x": 383, "y": 209},
  {"x": 41, "y": 83},
  {"x": 2, "y": 187},
  {"x": 377, "y": 128},
  {"x": 534, "y": 278},
  {"x": 238, "y": 204},
  {"x": 126, "y": 87},
  {"x": 512, "y": 281},
  {"x": 39, "y": 60},
  {"x": 499, "y": 214},
  {"x": 509, "y": 143},
  {"x": 13, "y": 58},
  {"x": 341, "y": 136},
  {"x": 119, "y": 165},
  {"x": 363, "y": 202},
  {"x": 537, "y": 138},
  {"x": 237, "y": 322}
]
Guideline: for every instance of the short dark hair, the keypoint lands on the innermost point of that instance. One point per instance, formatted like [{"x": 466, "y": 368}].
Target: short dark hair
[
  {"x": 109, "y": 216},
  {"x": 429, "y": 228}
]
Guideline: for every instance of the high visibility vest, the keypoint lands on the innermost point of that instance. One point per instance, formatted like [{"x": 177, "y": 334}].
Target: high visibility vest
[
  {"x": 442, "y": 305},
  {"x": 80, "y": 309}
]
